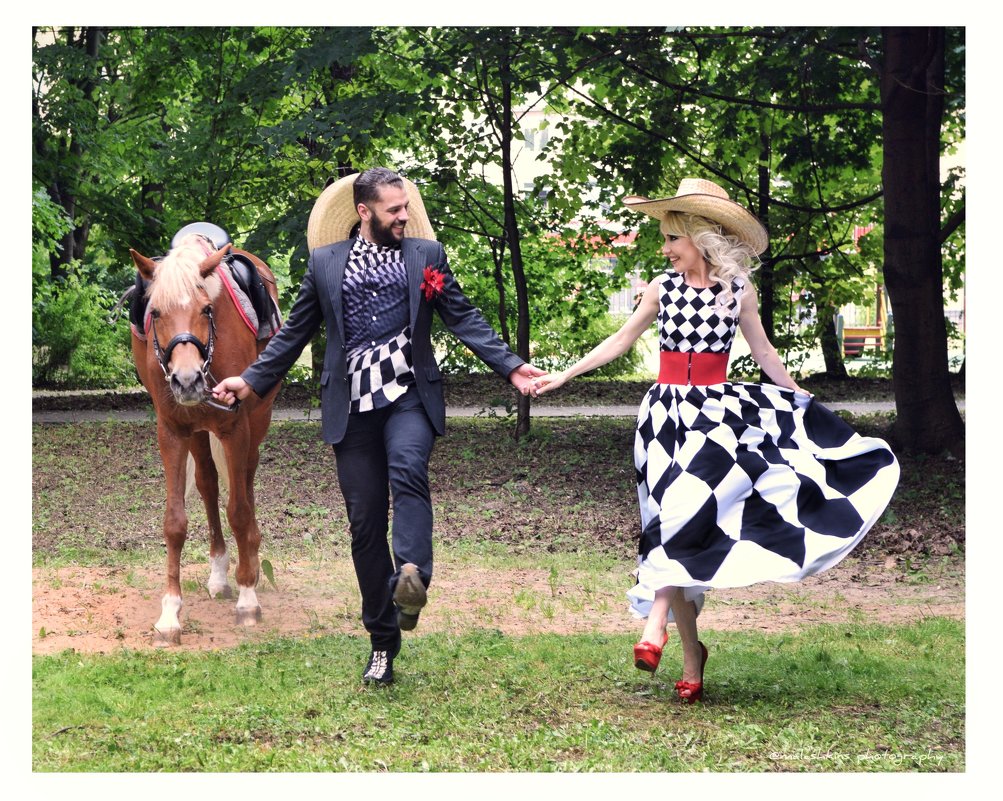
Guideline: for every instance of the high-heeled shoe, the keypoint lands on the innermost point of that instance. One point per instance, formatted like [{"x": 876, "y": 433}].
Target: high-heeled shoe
[
  {"x": 647, "y": 655},
  {"x": 692, "y": 691}
]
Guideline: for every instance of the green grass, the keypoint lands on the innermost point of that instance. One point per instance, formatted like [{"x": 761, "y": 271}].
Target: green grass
[
  {"x": 840, "y": 698},
  {"x": 843, "y": 698}
]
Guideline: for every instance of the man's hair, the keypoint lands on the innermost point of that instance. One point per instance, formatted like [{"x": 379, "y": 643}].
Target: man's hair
[{"x": 366, "y": 188}]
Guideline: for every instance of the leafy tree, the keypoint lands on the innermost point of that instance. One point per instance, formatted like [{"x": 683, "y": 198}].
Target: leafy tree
[
  {"x": 804, "y": 126},
  {"x": 71, "y": 340},
  {"x": 725, "y": 104},
  {"x": 478, "y": 81},
  {"x": 137, "y": 131}
]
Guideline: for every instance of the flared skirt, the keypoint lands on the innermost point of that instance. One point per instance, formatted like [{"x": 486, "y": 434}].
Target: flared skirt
[{"x": 740, "y": 483}]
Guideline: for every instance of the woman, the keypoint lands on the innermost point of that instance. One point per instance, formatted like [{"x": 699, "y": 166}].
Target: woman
[{"x": 737, "y": 482}]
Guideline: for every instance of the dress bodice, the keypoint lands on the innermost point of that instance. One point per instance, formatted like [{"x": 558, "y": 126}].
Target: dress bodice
[{"x": 688, "y": 317}]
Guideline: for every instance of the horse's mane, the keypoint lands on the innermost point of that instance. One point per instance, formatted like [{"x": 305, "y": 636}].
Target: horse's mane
[{"x": 177, "y": 279}]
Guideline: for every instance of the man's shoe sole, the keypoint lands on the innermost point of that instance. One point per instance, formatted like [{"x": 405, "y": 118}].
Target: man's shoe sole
[{"x": 406, "y": 622}]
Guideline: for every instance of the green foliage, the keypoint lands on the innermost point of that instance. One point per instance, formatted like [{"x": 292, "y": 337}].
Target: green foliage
[
  {"x": 558, "y": 346},
  {"x": 49, "y": 222},
  {"x": 569, "y": 302},
  {"x": 266, "y": 568},
  {"x": 73, "y": 344},
  {"x": 137, "y": 131}
]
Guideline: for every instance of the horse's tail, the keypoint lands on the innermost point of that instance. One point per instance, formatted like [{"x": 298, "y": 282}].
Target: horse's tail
[{"x": 219, "y": 457}]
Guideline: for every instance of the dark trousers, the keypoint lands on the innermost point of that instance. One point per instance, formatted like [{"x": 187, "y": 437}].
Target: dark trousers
[{"x": 387, "y": 448}]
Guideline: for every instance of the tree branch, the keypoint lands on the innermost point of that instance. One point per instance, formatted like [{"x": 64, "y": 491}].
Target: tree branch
[
  {"x": 952, "y": 224},
  {"x": 738, "y": 187}
]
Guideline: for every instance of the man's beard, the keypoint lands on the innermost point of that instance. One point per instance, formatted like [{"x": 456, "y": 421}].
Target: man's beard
[{"x": 383, "y": 235}]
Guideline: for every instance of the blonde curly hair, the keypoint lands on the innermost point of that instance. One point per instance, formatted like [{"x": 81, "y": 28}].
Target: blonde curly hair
[{"x": 730, "y": 259}]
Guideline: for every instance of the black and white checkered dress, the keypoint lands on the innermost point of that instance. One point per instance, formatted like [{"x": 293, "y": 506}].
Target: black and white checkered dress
[{"x": 738, "y": 482}]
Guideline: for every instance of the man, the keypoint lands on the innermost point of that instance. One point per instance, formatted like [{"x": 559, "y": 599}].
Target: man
[{"x": 381, "y": 391}]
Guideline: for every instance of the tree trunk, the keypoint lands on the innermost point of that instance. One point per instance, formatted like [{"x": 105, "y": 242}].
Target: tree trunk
[
  {"x": 835, "y": 367},
  {"x": 912, "y": 85},
  {"x": 64, "y": 189},
  {"x": 498, "y": 254},
  {"x": 512, "y": 235},
  {"x": 767, "y": 297}
]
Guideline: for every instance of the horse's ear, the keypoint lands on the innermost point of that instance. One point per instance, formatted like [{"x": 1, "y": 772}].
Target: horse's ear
[
  {"x": 144, "y": 264},
  {"x": 212, "y": 262}
]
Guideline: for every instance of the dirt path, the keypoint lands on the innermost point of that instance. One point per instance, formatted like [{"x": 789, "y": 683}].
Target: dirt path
[{"x": 104, "y": 609}]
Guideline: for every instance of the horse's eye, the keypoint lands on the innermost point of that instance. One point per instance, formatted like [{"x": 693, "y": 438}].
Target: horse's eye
[
  {"x": 155, "y": 314},
  {"x": 207, "y": 311}
]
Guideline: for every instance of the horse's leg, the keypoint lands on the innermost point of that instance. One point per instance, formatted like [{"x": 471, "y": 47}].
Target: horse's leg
[
  {"x": 240, "y": 513},
  {"x": 207, "y": 481},
  {"x": 174, "y": 452}
]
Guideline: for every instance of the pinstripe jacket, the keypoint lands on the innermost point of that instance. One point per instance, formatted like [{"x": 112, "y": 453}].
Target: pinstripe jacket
[{"x": 319, "y": 301}]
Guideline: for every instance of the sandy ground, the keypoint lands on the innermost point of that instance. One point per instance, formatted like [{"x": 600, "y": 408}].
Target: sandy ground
[{"x": 103, "y": 609}]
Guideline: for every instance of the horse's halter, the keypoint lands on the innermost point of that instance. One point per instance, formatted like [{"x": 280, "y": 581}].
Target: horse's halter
[{"x": 204, "y": 349}]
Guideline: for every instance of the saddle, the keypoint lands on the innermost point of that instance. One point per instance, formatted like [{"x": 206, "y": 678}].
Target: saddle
[{"x": 240, "y": 268}]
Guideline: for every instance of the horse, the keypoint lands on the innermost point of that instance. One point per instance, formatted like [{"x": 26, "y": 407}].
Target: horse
[{"x": 194, "y": 324}]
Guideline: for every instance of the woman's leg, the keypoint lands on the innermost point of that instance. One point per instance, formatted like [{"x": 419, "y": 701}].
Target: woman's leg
[
  {"x": 658, "y": 617},
  {"x": 685, "y": 614}
]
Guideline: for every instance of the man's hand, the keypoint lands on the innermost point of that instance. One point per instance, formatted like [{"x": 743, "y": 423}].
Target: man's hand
[
  {"x": 230, "y": 389},
  {"x": 548, "y": 382},
  {"x": 522, "y": 377}
]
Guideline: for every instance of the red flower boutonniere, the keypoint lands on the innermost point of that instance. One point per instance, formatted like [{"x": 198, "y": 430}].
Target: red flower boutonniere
[{"x": 433, "y": 284}]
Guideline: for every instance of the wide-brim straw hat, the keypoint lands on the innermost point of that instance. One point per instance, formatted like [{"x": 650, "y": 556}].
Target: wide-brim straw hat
[
  {"x": 707, "y": 199},
  {"x": 334, "y": 214}
]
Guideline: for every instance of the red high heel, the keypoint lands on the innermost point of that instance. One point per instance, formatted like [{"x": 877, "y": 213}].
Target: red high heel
[
  {"x": 647, "y": 655},
  {"x": 692, "y": 691}
]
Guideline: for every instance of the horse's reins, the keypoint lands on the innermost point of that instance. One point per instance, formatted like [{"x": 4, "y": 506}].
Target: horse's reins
[{"x": 204, "y": 349}]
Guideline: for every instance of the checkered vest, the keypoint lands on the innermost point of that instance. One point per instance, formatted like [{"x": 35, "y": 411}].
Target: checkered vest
[{"x": 377, "y": 334}]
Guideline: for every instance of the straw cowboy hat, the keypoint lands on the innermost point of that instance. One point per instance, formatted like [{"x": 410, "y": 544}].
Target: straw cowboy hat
[
  {"x": 707, "y": 199},
  {"x": 334, "y": 214}
]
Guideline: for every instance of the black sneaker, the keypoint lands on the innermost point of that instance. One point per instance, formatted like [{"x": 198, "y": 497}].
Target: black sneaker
[
  {"x": 409, "y": 596},
  {"x": 379, "y": 668}
]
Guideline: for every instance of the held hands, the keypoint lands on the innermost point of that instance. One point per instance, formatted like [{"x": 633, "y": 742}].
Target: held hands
[
  {"x": 521, "y": 377},
  {"x": 545, "y": 383},
  {"x": 230, "y": 389}
]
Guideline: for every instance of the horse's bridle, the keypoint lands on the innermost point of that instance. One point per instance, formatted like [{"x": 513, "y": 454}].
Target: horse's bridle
[{"x": 204, "y": 349}]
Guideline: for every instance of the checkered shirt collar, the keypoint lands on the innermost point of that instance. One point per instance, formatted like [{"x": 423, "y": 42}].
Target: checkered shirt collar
[{"x": 364, "y": 247}]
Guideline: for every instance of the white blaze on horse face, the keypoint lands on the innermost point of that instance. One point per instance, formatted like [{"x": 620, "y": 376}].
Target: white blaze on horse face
[
  {"x": 170, "y": 606},
  {"x": 185, "y": 370},
  {"x": 218, "y": 568}
]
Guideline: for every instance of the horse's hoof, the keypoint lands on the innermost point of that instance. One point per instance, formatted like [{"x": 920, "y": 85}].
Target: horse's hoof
[
  {"x": 221, "y": 592},
  {"x": 166, "y": 638},
  {"x": 249, "y": 617}
]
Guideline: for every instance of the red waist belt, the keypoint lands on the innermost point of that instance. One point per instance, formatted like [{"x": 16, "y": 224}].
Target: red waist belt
[{"x": 678, "y": 367}]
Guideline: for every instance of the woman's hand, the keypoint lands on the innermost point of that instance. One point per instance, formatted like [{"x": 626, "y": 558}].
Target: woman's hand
[{"x": 545, "y": 383}]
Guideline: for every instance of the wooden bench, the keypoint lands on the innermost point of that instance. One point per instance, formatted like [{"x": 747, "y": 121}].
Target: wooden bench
[{"x": 857, "y": 338}]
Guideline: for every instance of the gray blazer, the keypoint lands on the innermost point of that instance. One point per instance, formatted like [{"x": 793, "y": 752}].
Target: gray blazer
[{"x": 319, "y": 301}]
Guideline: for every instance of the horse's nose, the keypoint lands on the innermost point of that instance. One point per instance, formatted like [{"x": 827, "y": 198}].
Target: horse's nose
[{"x": 188, "y": 385}]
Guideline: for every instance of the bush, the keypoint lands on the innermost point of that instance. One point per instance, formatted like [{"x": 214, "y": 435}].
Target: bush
[
  {"x": 72, "y": 343},
  {"x": 557, "y": 344},
  {"x": 560, "y": 343}
]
